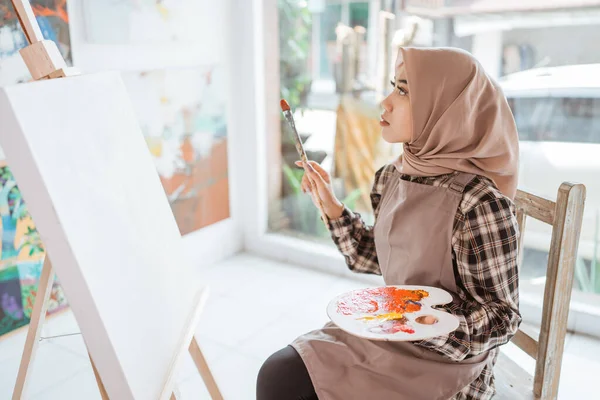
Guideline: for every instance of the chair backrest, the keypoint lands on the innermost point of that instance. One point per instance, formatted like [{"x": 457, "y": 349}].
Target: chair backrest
[{"x": 565, "y": 216}]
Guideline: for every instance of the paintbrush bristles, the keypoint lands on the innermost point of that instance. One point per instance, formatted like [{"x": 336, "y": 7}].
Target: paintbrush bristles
[{"x": 284, "y": 105}]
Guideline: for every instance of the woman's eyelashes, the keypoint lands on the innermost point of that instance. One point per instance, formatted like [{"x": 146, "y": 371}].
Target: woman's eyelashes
[{"x": 401, "y": 90}]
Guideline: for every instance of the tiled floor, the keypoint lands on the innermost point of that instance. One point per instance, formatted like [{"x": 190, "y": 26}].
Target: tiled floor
[{"x": 236, "y": 347}]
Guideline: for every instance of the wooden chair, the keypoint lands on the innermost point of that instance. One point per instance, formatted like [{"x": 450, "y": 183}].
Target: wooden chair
[{"x": 565, "y": 216}]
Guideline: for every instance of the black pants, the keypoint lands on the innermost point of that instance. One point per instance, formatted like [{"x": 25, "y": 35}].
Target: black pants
[{"x": 284, "y": 377}]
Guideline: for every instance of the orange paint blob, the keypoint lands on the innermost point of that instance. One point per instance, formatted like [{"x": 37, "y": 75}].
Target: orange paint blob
[
  {"x": 386, "y": 299},
  {"x": 386, "y": 304}
]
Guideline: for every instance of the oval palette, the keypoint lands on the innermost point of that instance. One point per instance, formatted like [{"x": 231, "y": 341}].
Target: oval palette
[{"x": 393, "y": 313}]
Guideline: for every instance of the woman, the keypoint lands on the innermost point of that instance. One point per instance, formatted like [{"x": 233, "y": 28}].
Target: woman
[{"x": 444, "y": 218}]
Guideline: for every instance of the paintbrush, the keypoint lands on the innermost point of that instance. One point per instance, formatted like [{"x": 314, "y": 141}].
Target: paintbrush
[{"x": 285, "y": 107}]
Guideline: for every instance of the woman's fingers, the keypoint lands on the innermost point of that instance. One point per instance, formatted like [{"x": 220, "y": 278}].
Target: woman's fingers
[
  {"x": 304, "y": 184},
  {"x": 320, "y": 170},
  {"x": 314, "y": 175},
  {"x": 317, "y": 167}
]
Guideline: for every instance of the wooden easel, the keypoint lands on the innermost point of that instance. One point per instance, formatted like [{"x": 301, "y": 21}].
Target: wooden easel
[{"x": 44, "y": 61}]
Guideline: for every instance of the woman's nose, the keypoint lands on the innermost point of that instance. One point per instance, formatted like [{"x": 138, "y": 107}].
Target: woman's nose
[{"x": 386, "y": 104}]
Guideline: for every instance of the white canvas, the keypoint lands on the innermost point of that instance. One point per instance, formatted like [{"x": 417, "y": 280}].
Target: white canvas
[{"x": 87, "y": 176}]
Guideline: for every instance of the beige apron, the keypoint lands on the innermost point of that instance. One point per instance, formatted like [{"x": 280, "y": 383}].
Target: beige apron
[{"x": 413, "y": 238}]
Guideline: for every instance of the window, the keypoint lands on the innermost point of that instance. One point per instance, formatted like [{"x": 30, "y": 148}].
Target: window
[
  {"x": 553, "y": 119},
  {"x": 335, "y": 57}
]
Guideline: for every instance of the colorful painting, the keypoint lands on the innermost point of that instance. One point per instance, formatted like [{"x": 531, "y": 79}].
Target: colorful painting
[
  {"x": 53, "y": 20},
  {"x": 21, "y": 259},
  {"x": 182, "y": 113},
  {"x": 22, "y": 253},
  {"x": 394, "y": 313},
  {"x": 143, "y": 21}
]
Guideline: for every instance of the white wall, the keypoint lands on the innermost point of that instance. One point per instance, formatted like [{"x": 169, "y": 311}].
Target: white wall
[
  {"x": 487, "y": 48},
  {"x": 207, "y": 48},
  {"x": 211, "y": 45}
]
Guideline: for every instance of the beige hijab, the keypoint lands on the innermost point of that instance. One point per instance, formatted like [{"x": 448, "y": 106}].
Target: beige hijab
[{"x": 461, "y": 119}]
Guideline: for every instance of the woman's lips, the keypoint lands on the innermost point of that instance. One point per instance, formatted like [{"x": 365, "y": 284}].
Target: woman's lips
[{"x": 383, "y": 122}]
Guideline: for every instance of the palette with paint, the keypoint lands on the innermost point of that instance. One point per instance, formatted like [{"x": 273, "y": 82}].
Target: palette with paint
[{"x": 393, "y": 313}]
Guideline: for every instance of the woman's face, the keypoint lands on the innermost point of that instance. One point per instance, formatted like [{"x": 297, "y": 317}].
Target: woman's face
[{"x": 396, "y": 119}]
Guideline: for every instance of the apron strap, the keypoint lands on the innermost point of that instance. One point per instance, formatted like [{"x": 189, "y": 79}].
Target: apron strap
[
  {"x": 460, "y": 181},
  {"x": 390, "y": 182}
]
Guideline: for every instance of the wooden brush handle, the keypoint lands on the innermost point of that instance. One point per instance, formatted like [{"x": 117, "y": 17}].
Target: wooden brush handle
[
  {"x": 315, "y": 192},
  {"x": 324, "y": 217},
  {"x": 302, "y": 154}
]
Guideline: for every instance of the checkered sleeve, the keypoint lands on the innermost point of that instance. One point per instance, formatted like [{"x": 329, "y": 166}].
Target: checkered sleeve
[
  {"x": 486, "y": 273},
  {"x": 354, "y": 239}
]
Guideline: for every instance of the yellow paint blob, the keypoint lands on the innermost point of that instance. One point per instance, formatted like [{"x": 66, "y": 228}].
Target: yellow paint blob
[{"x": 384, "y": 317}]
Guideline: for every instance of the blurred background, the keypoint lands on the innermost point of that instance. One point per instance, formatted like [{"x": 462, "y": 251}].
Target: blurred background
[{"x": 337, "y": 59}]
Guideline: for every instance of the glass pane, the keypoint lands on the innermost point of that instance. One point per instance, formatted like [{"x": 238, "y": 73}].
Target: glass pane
[
  {"x": 557, "y": 119},
  {"x": 328, "y": 22},
  {"x": 312, "y": 83},
  {"x": 359, "y": 14},
  {"x": 560, "y": 141},
  {"x": 546, "y": 61}
]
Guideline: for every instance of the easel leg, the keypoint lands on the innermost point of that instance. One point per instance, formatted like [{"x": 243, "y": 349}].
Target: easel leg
[
  {"x": 35, "y": 327},
  {"x": 103, "y": 393},
  {"x": 204, "y": 370}
]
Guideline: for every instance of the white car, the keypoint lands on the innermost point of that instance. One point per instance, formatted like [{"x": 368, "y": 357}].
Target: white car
[{"x": 557, "y": 111}]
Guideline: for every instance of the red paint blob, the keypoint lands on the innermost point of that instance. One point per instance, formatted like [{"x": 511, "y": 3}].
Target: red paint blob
[
  {"x": 406, "y": 329},
  {"x": 391, "y": 327}
]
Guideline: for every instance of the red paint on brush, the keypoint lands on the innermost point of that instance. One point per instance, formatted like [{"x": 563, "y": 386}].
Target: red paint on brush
[{"x": 284, "y": 105}]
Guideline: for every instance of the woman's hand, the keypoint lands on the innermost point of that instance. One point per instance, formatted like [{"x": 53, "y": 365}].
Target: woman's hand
[{"x": 322, "y": 182}]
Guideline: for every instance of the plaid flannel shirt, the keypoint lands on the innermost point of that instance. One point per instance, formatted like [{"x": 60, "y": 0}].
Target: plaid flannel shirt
[{"x": 484, "y": 244}]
